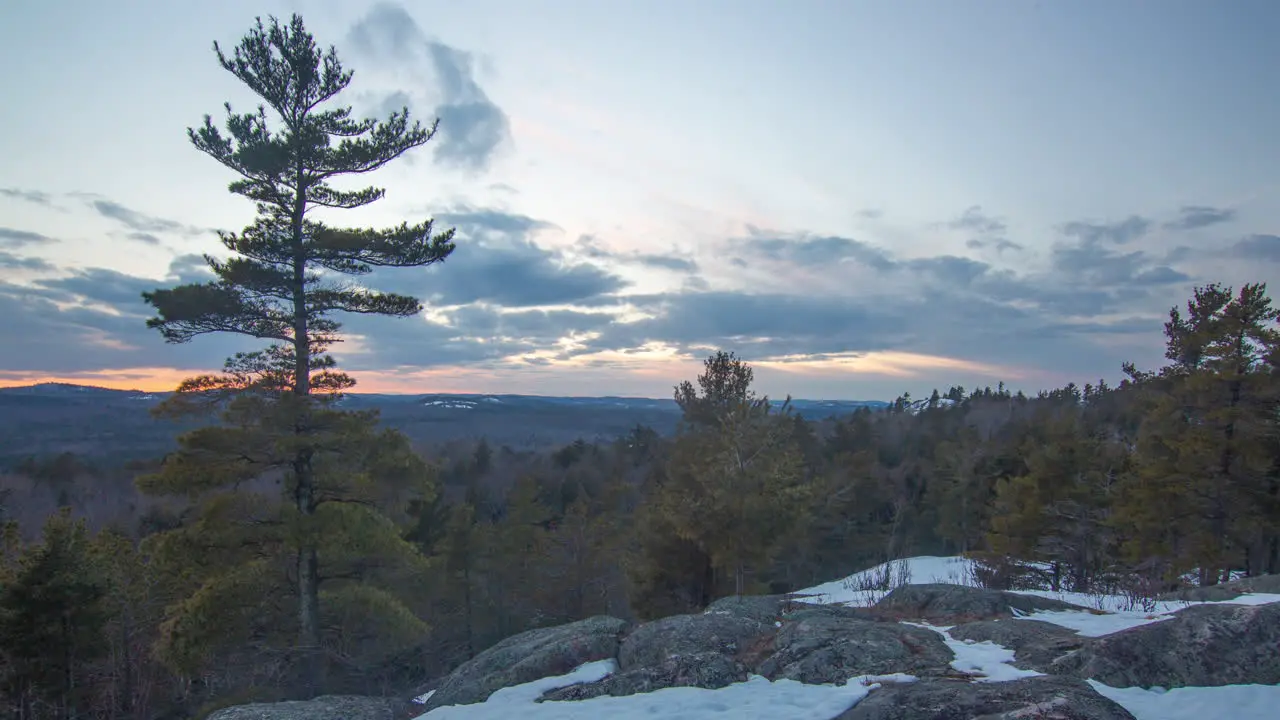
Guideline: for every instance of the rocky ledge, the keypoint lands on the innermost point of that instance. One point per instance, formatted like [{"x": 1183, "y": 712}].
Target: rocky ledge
[{"x": 914, "y": 631}]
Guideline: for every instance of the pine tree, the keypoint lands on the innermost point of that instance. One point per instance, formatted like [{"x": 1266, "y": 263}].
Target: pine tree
[
  {"x": 235, "y": 559},
  {"x": 52, "y": 617},
  {"x": 280, "y": 283},
  {"x": 734, "y": 484},
  {"x": 1206, "y": 450}
]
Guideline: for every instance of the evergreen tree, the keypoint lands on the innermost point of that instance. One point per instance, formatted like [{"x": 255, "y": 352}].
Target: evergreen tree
[
  {"x": 52, "y": 617},
  {"x": 280, "y": 283},
  {"x": 734, "y": 484}
]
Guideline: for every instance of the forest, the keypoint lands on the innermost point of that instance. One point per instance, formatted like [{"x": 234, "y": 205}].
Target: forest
[
  {"x": 290, "y": 548},
  {"x": 1167, "y": 478}
]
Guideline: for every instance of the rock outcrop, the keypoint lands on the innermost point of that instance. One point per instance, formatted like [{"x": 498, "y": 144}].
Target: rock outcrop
[
  {"x": 948, "y": 604},
  {"x": 1036, "y": 698},
  {"x": 531, "y": 655},
  {"x": 1200, "y": 645},
  {"x": 782, "y": 639},
  {"x": 328, "y": 707},
  {"x": 1036, "y": 644},
  {"x": 820, "y": 648}
]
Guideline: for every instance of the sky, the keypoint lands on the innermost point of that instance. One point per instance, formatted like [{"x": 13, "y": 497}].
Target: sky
[{"x": 859, "y": 198}]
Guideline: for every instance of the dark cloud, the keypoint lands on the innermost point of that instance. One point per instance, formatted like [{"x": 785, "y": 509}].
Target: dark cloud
[
  {"x": 815, "y": 251},
  {"x": 472, "y": 127},
  {"x": 144, "y": 237},
  {"x": 118, "y": 290},
  {"x": 1000, "y": 244},
  {"x": 58, "y": 328},
  {"x": 950, "y": 269},
  {"x": 17, "y": 262},
  {"x": 1258, "y": 247},
  {"x": 474, "y": 334},
  {"x": 759, "y": 325},
  {"x": 496, "y": 262},
  {"x": 974, "y": 220},
  {"x": 1096, "y": 265},
  {"x": 1193, "y": 217},
  {"x": 472, "y": 219},
  {"x": 590, "y": 247},
  {"x": 387, "y": 32},
  {"x": 515, "y": 273},
  {"x": 32, "y": 196},
  {"x": 142, "y": 223},
  {"x": 1116, "y": 233},
  {"x": 9, "y": 237},
  {"x": 667, "y": 262}
]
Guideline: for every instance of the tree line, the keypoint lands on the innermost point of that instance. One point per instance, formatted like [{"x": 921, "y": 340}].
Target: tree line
[{"x": 297, "y": 548}]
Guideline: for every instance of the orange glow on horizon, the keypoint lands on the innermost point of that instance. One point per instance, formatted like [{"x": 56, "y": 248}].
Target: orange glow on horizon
[{"x": 650, "y": 371}]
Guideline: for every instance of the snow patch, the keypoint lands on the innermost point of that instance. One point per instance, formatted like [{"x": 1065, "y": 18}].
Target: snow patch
[
  {"x": 985, "y": 661},
  {"x": 755, "y": 699},
  {"x": 1239, "y": 702}
]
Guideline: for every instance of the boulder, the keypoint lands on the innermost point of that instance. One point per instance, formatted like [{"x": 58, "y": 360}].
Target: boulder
[
  {"x": 327, "y": 707},
  {"x": 529, "y": 656},
  {"x": 1226, "y": 591},
  {"x": 766, "y": 609},
  {"x": 1035, "y": 644},
  {"x": 821, "y": 648},
  {"x": 704, "y": 670},
  {"x": 1200, "y": 646},
  {"x": 1043, "y": 698},
  {"x": 652, "y": 643},
  {"x": 942, "y": 603}
]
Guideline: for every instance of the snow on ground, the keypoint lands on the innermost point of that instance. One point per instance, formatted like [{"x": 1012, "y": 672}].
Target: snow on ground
[
  {"x": 755, "y": 699},
  {"x": 1239, "y": 702},
  {"x": 867, "y": 587},
  {"x": 1117, "y": 617},
  {"x": 986, "y": 661}
]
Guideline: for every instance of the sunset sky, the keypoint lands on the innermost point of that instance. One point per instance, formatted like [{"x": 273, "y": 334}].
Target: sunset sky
[{"x": 860, "y": 198}]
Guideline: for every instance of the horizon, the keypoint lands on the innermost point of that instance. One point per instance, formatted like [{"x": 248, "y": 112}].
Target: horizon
[
  {"x": 458, "y": 393},
  {"x": 860, "y": 199}
]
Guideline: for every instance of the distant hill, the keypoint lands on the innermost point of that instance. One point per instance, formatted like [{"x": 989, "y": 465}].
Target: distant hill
[{"x": 115, "y": 424}]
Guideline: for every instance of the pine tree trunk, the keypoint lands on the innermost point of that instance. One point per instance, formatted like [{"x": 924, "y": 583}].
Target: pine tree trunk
[{"x": 307, "y": 560}]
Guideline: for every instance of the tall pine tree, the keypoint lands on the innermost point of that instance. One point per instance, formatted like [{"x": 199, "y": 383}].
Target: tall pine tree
[{"x": 281, "y": 282}]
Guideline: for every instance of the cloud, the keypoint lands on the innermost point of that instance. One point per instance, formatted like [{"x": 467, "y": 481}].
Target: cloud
[
  {"x": 473, "y": 334},
  {"x": 74, "y": 326},
  {"x": 470, "y": 219},
  {"x": 120, "y": 291},
  {"x": 814, "y": 251},
  {"x": 497, "y": 262},
  {"x": 388, "y": 32},
  {"x": 472, "y": 127},
  {"x": 1000, "y": 244},
  {"x": 144, "y": 237},
  {"x": 1194, "y": 217},
  {"x": 16, "y": 262},
  {"x": 31, "y": 196},
  {"x": 974, "y": 220},
  {"x": 9, "y": 237},
  {"x": 590, "y": 247},
  {"x": 1116, "y": 233},
  {"x": 141, "y": 223},
  {"x": 757, "y": 324},
  {"x": 1258, "y": 247}
]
